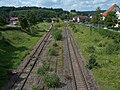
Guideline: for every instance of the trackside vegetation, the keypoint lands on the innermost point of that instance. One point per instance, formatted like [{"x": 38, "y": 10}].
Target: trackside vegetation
[
  {"x": 48, "y": 69},
  {"x": 101, "y": 49},
  {"x": 15, "y": 45}
]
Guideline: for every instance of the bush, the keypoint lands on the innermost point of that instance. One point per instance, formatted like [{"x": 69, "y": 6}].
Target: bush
[
  {"x": 115, "y": 28},
  {"x": 53, "y": 52},
  {"x": 41, "y": 71},
  {"x": 57, "y": 34},
  {"x": 55, "y": 44},
  {"x": 91, "y": 49},
  {"x": 96, "y": 40},
  {"x": 110, "y": 34},
  {"x": 102, "y": 43},
  {"x": 75, "y": 30},
  {"x": 112, "y": 48},
  {"x": 51, "y": 80},
  {"x": 44, "y": 68},
  {"x": 35, "y": 87},
  {"x": 92, "y": 62}
]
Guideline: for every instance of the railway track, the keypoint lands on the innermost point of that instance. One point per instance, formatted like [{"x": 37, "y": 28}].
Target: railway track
[
  {"x": 21, "y": 78},
  {"x": 79, "y": 80}
]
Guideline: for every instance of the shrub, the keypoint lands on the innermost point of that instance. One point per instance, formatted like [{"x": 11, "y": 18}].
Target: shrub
[
  {"x": 53, "y": 52},
  {"x": 91, "y": 49},
  {"x": 96, "y": 40},
  {"x": 51, "y": 80},
  {"x": 41, "y": 71},
  {"x": 44, "y": 68},
  {"x": 92, "y": 62},
  {"x": 112, "y": 48},
  {"x": 35, "y": 87},
  {"x": 57, "y": 34},
  {"x": 102, "y": 43},
  {"x": 55, "y": 44},
  {"x": 115, "y": 28},
  {"x": 75, "y": 30},
  {"x": 46, "y": 65},
  {"x": 109, "y": 34}
]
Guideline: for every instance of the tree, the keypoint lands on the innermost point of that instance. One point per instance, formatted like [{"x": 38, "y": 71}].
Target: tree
[
  {"x": 2, "y": 21},
  {"x": 32, "y": 18},
  {"x": 23, "y": 22},
  {"x": 96, "y": 19},
  {"x": 111, "y": 19},
  {"x": 73, "y": 11},
  {"x": 92, "y": 62}
]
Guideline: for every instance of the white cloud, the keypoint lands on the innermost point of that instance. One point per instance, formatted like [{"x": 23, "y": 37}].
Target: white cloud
[{"x": 65, "y": 4}]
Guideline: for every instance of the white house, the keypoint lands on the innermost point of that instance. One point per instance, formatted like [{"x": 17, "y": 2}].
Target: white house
[
  {"x": 115, "y": 8},
  {"x": 14, "y": 20},
  {"x": 118, "y": 14},
  {"x": 79, "y": 18}
]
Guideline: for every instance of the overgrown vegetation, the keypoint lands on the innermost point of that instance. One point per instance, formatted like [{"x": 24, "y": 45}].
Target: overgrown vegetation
[
  {"x": 5, "y": 28},
  {"x": 51, "y": 80},
  {"x": 35, "y": 87},
  {"x": 53, "y": 51},
  {"x": 104, "y": 44},
  {"x": 92, "y": 62},
  {"x": 91, "y": 49},
  {"x": 48, "y": 68},
  {"x": 55, "y": 44},
  {"x": 56, "y": 33},
  {"x": 14, "y": 46},
  {"x": 112, "y": 48},
  {"x": 44, "y": 68}
]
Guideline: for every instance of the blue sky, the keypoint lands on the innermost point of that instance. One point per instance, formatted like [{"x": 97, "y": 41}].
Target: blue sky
[{"x": 79, "y": 5}]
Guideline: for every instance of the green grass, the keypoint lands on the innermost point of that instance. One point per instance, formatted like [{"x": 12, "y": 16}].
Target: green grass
[
  {"x": 108, "y": 74},
  {"x": 20, "y": 44},
  {"x": 43, "y": 26}
]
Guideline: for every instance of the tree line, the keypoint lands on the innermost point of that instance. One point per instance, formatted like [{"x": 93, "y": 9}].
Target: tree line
[{"x": 39, "y": 14}]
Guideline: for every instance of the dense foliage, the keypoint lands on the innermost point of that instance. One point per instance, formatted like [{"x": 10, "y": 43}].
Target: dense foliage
[
  {"x": 111, "y": 19},
  {"x": 92, "y": 62},
  {"x": 57, "y": 34},
  {"x": 51, "y": 80},
  {"x": 110, "y": 34},
  {"x": 105, "y": 45},
  {"x": 96, "y": 19}
]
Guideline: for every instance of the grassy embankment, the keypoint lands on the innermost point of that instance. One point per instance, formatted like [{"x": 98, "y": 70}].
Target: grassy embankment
[
  {"x": 15, "y": 47},
  {"x": 107, "y": 50}
]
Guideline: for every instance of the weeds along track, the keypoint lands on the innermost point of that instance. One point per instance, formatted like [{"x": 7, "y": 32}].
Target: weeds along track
[
  {"x": 20, "y": 80},
  {"x": 79, "y": 80}
]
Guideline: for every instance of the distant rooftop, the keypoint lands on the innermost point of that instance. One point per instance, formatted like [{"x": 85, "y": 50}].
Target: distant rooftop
[{"x": 110, "y": 9}]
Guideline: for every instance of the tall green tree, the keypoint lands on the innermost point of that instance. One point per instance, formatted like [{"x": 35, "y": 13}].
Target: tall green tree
[
  {"x": 111, "y": 19},
  {"x": 23, "y": 22},
  {"x": 72, "y": 10},
  {"x": 96, "y": 19},
  {"x": 2, "y": 21},
  {"x": 32, "y": 18}
]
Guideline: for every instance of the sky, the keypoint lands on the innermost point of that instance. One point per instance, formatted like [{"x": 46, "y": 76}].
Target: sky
[{"x": 79, "y": 5}]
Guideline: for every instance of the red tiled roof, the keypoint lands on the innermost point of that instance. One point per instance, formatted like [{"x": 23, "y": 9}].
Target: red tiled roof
[
  {"x": 13, "y": 18},
  {"x": 110, "y": 9}
]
